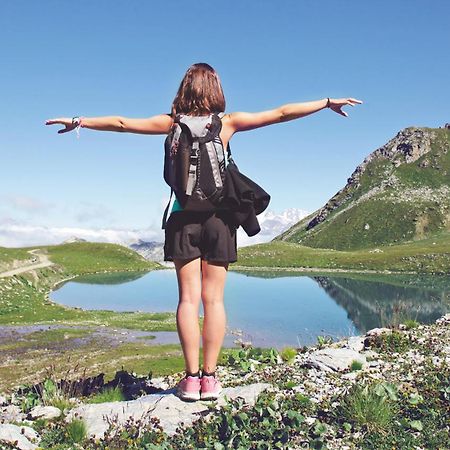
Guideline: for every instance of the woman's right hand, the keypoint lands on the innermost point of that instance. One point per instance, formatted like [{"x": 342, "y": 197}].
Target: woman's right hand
[
  {"x": 337, "y": 103},
  {"x": 63, "y": 121}
]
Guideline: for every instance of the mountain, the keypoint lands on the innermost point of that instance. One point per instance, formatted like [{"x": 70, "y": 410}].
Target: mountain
[
  {"x": 153, "y": 251},
  {"x": 272, "y": 225},
  {"x": 400, "y": 192},
  {"x": 73, "y": 239}
]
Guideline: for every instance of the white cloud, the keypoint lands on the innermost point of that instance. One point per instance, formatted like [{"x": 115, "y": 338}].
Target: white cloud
[
  {"x": 30, "y": 205},
  {"x": 89, "y": 212},
  {"x": 23, "y": 235},
  {"x": 17, "y": 234}
]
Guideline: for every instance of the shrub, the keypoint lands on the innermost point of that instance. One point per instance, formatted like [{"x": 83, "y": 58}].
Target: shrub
[
  {"x": 395, "y": 341},
  {"x": 411, "y": 323},
  {"x": 355, "y": 365},
  {"x": 76, "y": 431},
  {"x": 371, "y": 405},
  {"x": 288, "y": 354}
]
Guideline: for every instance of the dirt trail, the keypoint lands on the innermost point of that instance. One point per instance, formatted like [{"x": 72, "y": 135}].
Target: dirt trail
[{"x": 43, "y": 261}]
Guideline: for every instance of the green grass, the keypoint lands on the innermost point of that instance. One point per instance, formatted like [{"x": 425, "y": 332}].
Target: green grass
[
  {"x": 410, "y": 324},
  {"x": 88, "y": 257},
  {"x": 389, "y": 215},
  {"x": 426, "y": 256},
  {"x": 367, "y": 406},
  {"x": 355, "y": 365},
  {"x": 436, "y": 173},
  {"x": 76, "y": 431},
  {"x": 108, "y": 395},
  {"x": 288, "y": 354},
  {"x": 24, "y": 301},
  {"x": 31, "y": 365},
  {"x": 9, "y": 255},
  {"x": 24, "y": 297}
]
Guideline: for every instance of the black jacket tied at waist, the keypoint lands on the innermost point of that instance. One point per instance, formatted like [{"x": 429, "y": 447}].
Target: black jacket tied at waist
[{"x": 244, "y": 198}]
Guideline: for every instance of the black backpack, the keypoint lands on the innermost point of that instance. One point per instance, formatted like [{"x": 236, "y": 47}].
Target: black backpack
[{"x": 195, "y": 163}]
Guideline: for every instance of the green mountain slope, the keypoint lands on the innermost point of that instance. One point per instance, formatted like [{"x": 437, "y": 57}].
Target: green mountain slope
[{"x": 399, "y": 193}]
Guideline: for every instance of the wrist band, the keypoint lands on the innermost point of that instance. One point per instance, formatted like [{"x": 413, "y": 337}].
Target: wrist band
[
  {"x": 328, "y": 102},
  {"x": 77, "y": 122}
]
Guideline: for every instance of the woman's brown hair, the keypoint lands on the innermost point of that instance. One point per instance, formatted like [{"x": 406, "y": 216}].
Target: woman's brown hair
[{"x": 200, "y": 92}]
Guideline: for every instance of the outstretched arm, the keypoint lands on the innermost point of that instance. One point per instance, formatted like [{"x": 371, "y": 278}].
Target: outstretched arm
[
  {"x": 243, "y": 121},
  {"x": 159, "y": 124}
]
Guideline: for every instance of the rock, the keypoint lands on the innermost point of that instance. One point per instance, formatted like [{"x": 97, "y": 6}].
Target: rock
[
  {"x": 20, "y": 437},
  {"x": 11, "y": 413},
  {"x": 355, "y": 343},
  {"x": 3, "y": 400},
  {"x": 378, "y": 331},
  {"x": 44, "y": 412},
  {"x": 444, "y": 320},
  {"x": 334, "y": 359},
  {"x": 170, "y": 409},
  {"x": 160, "y": 383}
]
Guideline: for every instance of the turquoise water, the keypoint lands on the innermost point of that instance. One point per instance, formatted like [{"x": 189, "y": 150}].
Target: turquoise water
[{"x": 274, "y": 309}]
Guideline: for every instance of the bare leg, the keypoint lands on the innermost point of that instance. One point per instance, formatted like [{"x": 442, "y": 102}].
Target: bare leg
[
  {"x": 213, "y": 333},
  {"x": 189, "y": 288}
]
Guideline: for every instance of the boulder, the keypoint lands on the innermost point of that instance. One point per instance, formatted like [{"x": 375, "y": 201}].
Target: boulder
[
  {"x": 11, "y": 413},
  {"x": 166, "y": 406},
  {"x": 378, "y": 331},
  {"x": 334, "y": 359},
  {"x": 355, "y": 343},
  {"x": 18, "y": 436},
  {"x": 44, "y": 412}
]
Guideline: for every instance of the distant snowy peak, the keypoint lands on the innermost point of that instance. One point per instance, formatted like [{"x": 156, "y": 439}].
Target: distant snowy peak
[
  {"x": 153, "y": 251},
  {"x": 272, "y": 224},
  {"x": 270, "y": 221},
  {"x": 73, "y": 239}
]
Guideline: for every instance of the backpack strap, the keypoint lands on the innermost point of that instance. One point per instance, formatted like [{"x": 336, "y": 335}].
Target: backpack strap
[
  {"x": 164, "y": 219},
  {"x": 192, "y": 176}
]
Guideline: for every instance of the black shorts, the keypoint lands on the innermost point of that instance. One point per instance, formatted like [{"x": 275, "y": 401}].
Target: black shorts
[{"x": 192, "y": 234}]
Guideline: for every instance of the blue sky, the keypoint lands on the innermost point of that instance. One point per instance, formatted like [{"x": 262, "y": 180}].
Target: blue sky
[{"x": 98, "y": 58}]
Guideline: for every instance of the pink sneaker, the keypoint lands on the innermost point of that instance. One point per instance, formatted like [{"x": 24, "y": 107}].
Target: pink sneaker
[
  {"x": 189, "y": 388},
  {"x": 210, "y": 388}
]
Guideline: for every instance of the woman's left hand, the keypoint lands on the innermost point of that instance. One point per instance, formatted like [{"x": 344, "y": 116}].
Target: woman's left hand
[
  {"x": 64, "y": 121},
  {"x": 337, "y": 103}
]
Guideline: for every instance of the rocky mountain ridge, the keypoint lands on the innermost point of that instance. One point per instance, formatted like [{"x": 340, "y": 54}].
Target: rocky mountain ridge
[{"x": 411, "y": 169}]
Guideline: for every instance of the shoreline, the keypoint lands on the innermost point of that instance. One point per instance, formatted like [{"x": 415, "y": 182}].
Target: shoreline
[
  {"x": 330, "y": 270},
  {"x": 57, "y": 284}
]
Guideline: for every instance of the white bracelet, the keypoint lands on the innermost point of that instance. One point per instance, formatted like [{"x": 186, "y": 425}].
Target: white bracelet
[{"x": 77, "y": 121}]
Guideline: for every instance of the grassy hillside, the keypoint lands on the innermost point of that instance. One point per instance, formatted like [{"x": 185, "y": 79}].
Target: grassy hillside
[
  {"x": 24, "y": 297},
  {"x": 76, "y": 347},
  {"x": 400, "y": 193},
  {"x": 11, "y": 257},
  {"x": 430, "y": 255}
]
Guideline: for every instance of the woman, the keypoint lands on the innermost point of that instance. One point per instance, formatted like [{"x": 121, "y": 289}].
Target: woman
[{"x": 208, "y": 240}]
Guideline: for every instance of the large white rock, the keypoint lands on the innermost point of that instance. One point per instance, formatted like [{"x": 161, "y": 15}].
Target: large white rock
[
  {"x": 378, "y": 331},
  {"x": 20, "y": 436},
  {"x": 334, "y": 359},
  {"x": 355, "y": 343},
  {"x": 11, "y": 413},
  {"x": 169, "y": 408},
  {"x": 45, "y": 412}
]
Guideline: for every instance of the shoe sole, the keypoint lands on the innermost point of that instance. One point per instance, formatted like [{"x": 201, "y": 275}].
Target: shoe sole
[
  {"x": 210, "y": 396},
  {"x": 188, "y": 396}
]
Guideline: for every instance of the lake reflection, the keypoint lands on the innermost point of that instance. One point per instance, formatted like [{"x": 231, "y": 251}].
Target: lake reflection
[{"x": 277, "y": 309}]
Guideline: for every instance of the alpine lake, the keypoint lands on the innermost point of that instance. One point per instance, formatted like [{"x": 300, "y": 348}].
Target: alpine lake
[{"x": 276, "y": 309}]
